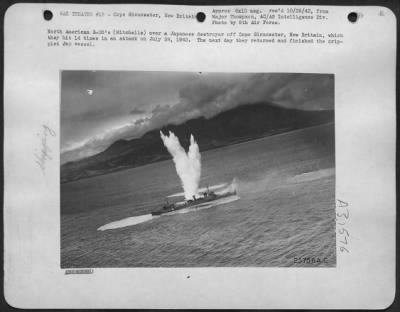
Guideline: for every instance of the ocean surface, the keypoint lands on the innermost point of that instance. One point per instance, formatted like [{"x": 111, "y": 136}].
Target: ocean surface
[{"x": 285, "y": 210}]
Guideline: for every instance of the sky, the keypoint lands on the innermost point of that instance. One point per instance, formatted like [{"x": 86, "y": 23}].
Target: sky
[{"x": 100, "y": 107}]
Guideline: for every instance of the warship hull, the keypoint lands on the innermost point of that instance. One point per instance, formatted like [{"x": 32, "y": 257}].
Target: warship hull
[{"x": 206, "y": 198}]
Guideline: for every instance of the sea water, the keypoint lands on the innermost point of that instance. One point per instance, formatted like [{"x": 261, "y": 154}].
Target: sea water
[{"x": 286, "y": 210}]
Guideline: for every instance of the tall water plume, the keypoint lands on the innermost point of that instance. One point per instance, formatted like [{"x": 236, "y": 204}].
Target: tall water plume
[{"x": 188, "y": 165}]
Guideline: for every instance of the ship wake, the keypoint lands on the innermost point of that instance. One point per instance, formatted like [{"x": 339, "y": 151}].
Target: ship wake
[
  {"x": 126, "y": 222},
  {"x": 188, "y": 168},
  {"x": 223, "y": 189}
]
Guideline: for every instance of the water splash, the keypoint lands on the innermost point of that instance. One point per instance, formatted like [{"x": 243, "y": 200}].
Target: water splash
[
  {"x": 230, "y": 188},
  {"x": 188, "y": 165}
]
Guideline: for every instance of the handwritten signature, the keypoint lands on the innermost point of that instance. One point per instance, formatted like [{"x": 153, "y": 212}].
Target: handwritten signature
[{"x": 44, "y": 154}]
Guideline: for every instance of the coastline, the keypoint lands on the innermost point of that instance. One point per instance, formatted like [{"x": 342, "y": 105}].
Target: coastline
[{"x": 168, "y": 158}]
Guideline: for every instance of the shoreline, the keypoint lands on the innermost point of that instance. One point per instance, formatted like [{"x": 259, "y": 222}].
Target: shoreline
[{"x": 234, "y": 143}]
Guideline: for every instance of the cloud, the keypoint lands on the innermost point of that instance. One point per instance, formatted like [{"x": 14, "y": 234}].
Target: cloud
[
  {"x": 194, "y": 95},
  {"x": 101, "y": 141},
  {"x": 209, "y": 98}
]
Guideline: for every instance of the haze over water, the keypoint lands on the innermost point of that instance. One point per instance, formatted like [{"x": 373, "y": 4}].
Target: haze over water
[{"x": 286, "y": 209}]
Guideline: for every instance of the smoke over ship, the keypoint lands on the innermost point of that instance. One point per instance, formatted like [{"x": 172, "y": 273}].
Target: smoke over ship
[
  {"x": 188, "y": 168},
  {"x": 187, "y": 165}
]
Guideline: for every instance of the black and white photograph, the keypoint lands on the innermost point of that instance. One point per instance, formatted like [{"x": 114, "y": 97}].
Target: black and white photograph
[
  {"x": 153, "y": 160},
  {"x": 195, "y": 169}
]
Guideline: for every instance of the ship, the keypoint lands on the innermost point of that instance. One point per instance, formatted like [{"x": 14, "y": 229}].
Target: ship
[{"x": 206, "y": 197}]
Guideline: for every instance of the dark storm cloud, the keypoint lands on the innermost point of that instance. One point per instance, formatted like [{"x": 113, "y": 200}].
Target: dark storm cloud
[
  {"x": 210, "y": 97},
  {"x": 306, "y": 92},
  {"x": 175, "y": 98}
]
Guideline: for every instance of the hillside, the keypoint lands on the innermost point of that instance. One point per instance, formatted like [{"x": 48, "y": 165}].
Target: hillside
[{"x": 243, "y": 123}]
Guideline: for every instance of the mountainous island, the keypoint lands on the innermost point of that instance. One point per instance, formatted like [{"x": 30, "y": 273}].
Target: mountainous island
[{"x": 242, "y": 123}]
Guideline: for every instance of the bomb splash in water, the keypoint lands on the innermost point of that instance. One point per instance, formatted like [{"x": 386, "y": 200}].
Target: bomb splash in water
[
  {"x": 188, "y": 168},
  {"x": 188, "y": 165}
]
